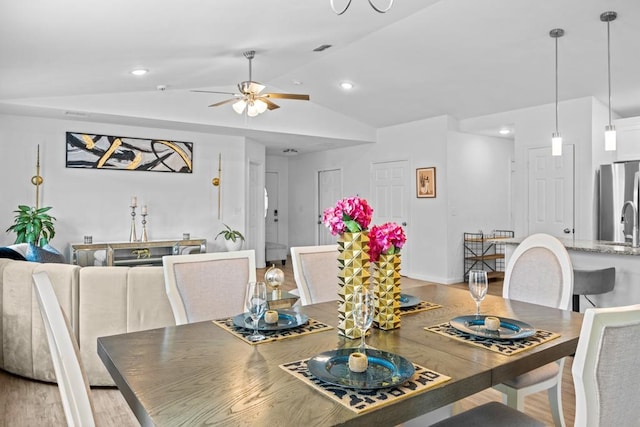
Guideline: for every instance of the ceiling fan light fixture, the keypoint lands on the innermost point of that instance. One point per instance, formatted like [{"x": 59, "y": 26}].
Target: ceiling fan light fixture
[
  {"x": 260, "y": 105},
  {"x": 250, "y": 99},
  {"x": 252, "y": 109},
  {"x": 239, "y": 106}
]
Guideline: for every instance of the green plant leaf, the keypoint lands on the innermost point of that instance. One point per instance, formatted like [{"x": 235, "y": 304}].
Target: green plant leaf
[{"x": 33, "y": 225}]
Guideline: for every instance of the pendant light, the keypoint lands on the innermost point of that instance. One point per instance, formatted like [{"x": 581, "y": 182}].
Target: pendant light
[
  {"x": 609, "y": 130},
  {"x": 556, "y": 139}
]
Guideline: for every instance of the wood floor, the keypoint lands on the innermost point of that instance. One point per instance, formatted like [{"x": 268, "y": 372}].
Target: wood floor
[{"x": 31, "y": 403}]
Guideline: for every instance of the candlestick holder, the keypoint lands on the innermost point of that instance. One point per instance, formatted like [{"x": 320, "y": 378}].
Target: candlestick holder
[
  {"x": 143, "y": 238},
  {"x": 132, "y": 235}
]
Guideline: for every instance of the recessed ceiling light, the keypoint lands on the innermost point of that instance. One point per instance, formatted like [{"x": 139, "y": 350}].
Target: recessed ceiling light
[
  {"x": 346, "y": 85},
  {"x": 504, "y": 131},
  {"x": 296, "y": 82},
  {"x": 139, "y": 72}
]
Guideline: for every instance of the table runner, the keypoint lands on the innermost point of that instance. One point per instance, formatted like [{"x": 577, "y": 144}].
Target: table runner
[
  {"x": 360, "y": 401},
  {"x": 423, "y": 306},
  {"x": 312, "y": 326},
  {"x": 506, "y": 347}
]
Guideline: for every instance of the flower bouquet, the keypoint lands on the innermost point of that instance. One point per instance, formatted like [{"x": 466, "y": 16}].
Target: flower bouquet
[
  {"x": 386, "y": 239},
  {"x": 385, "y": 244},
  {"x": 351, "y": 214}
]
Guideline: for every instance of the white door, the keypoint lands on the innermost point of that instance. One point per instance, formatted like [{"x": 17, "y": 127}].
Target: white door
[
  {"x": 551, "y": 191},
  {"x": 391, "y": 192},
  {"x": 271, "y": 224},
  {"x": 329, "y": 192}
]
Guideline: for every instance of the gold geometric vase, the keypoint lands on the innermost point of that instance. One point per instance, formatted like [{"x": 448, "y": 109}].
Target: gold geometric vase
[
  {"x": 386, "y": 287},
  {"x": 353, "y": 276}
]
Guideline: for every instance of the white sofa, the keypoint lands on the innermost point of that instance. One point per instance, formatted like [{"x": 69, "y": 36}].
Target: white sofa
[{"x": 98, "y": 301}]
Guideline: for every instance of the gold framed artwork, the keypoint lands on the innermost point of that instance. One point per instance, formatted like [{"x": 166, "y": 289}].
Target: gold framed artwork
[{"x": 426, "y": 183}]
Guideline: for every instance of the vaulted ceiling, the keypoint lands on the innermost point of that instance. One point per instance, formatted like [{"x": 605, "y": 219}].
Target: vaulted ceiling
[{"x": 465, "y": 58}]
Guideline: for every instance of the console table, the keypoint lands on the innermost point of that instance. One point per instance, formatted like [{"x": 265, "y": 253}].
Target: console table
[{"x": 133, "y": 253}]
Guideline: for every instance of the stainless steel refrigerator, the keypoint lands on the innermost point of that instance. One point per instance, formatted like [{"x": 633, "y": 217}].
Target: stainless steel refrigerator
[{"x": 618, "y": 184}]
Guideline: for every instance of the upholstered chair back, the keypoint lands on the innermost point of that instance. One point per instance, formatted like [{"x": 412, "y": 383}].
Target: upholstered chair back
[
  {"x": 315, "y": 270},
  {"x": 208, "y": 286}
]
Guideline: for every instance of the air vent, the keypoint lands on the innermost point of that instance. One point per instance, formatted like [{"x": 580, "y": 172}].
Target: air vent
[
  {"x": 76, "y": 113},
  {"x": 322, "y": 47}
]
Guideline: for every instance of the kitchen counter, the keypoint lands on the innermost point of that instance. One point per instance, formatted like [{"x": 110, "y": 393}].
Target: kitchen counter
[
  {"x": 597, "y": 254},
  {"x": 597, "y": 246}
]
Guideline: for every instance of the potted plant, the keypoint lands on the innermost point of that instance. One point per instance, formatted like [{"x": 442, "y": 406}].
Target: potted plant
[
  {"x": 232, "y": 238},
  {"x": 33, "y": 225}
]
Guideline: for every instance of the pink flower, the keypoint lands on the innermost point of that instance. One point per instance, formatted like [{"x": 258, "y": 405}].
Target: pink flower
[
  {"x": 387, "y": 238},
  {"x": 351, "y": 214}
]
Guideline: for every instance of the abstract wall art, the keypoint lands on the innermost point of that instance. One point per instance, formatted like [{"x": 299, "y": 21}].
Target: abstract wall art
[{"x": 90, "y": 151}]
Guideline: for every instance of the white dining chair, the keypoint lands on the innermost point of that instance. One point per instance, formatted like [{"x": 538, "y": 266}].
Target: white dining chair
[
  {"x": 606, "y": 368},
  {"x": 208, "y": 286},
  {"x": 70, "y": 375},
  {"x": 315, "y": 270},
  {"x": 539, "y": 272}
]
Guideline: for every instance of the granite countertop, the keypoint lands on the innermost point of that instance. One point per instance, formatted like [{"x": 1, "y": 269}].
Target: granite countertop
[{"x": 596, "y": 246}]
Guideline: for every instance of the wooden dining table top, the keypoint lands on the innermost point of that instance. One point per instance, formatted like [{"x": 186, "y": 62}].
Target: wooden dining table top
[{"x": 199, "y": 373}]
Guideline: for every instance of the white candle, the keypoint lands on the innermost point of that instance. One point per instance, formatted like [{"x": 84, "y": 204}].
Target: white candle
[
  {"x": 358, "y": 362},
  {"x": 144, "y": 209},
  {"x": 271, "y": 316},
  {"x": 134, "y": 201},
  {"x": 492, "y": 323}
]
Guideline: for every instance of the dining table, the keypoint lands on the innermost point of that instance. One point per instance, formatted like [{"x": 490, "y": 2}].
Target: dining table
[{"x": 201, "y": 374}]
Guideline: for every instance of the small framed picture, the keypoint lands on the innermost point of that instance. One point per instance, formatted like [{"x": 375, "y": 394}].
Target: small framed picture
[{"x": 426, "y": 182}]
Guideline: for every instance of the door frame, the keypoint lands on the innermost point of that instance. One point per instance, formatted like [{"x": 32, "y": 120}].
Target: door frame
[{"x": 317, "y": 198}]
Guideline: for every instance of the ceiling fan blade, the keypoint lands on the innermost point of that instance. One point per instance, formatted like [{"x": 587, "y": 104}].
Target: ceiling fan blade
[
  {"x": 226, "y": 101},
  {"x": 214, "y": 91},
  {"x": 287, "y": 96},
  {"x": 270, "y": 105}
]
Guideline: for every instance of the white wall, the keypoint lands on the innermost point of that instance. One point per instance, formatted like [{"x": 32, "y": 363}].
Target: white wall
[
  {"x": 479, "y": 174},
  {"x": 96, "y": 202},
  {"x": 580, "y": 123},
  {"x": 433, "y": 237}
]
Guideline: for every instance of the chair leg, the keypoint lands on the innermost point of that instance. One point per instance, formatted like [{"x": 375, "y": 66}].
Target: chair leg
[
  {"x": 513, "y": 399},
  {"x": 555, "y": 401}
]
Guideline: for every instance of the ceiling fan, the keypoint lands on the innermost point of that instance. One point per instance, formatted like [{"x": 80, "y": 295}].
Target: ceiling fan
[{"x": 250, "y": 96}]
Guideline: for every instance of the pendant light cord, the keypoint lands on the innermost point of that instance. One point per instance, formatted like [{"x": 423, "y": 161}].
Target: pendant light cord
[
  {"x": 609, "y": 67},
  {"x": 556, "y": 85}
]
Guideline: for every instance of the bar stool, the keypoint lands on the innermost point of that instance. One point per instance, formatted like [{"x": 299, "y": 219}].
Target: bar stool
[{"x": 592, "y": 282}]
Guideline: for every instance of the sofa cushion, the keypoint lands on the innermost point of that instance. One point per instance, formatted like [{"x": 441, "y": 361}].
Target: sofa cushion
[
  {"x": 115, "y": 300},
  {"x": 24, "y": 341}
]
